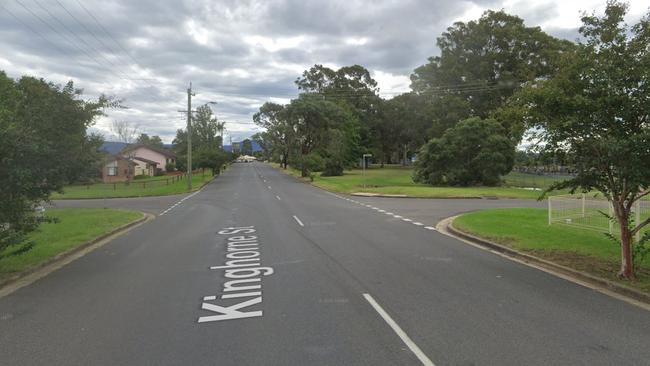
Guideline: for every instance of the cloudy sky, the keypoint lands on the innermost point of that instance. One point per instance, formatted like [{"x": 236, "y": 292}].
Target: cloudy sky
[{"x": 238, "y": 53}]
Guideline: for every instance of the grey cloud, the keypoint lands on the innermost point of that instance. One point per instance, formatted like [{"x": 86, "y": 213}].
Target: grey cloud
[{"x": 219, "y": 61}]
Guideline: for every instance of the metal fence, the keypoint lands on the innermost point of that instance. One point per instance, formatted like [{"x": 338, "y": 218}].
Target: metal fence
[{"x": 591, "y": 213}]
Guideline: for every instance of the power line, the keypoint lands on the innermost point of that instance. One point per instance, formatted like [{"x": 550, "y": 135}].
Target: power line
[
  {"x": 66, "y": 38},
  {"x": 93, "y": 35},
  {"x": 107, "y": 32},
  {"x": 92, "y": 49}
]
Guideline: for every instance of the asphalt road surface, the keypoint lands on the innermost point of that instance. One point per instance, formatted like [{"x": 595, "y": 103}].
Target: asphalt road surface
[{"x": 260, "y": 269}]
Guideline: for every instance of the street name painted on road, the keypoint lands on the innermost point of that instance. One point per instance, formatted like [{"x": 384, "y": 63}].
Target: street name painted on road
[{"x": 245, "y": 273}]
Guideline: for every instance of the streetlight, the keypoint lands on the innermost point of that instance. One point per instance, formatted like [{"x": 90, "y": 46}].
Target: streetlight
[{"x": 363, "y": 174}]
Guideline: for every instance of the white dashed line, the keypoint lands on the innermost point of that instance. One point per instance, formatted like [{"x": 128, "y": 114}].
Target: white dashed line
[
  {"x": 430, "y": 228},
  {"x": 407, "y": 220},
  {"x": 298, "y": 220},
  {"x": 278, "y": 197},
  {"x": 400, "y": 333},
  {"x": 418, "y": 224}
]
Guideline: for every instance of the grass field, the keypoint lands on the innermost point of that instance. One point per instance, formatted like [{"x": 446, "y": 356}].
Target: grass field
[
  {"x": 155, "y": 186},
  {"x": 397, "y": 180},
  {"x": 75, "y": 227},
  {"x": 527, "y": 230}
]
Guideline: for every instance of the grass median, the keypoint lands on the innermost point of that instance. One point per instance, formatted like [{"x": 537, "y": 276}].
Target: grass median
[
  {"x": 527, "y": 230},
  {"x": 75, "y": 227},
  {"x": 397, "y": 181},
  {"x": 159, "y": 186}
]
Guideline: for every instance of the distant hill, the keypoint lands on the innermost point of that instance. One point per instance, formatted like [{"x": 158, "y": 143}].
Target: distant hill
[
  {"x": 114, "y": 147},
  {"x": 256, "y": 147}
]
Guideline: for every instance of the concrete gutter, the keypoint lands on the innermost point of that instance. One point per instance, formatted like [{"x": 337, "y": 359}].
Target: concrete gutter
[
  {"x": 605, "y": 286},
  {"x": 31, "y": 275}
]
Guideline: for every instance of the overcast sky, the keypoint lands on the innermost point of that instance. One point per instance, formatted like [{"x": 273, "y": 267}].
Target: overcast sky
[{"x": 237, "y": 53}]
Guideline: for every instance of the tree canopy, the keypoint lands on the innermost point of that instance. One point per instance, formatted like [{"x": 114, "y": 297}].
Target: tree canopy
[
  {"x": 44, "y": 144},
  {"x": 595, "y": 110}
]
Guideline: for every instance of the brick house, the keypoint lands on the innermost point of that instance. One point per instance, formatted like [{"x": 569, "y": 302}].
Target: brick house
[{"x": 117, "y": 169}]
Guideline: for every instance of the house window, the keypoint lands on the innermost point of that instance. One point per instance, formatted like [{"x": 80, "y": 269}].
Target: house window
[{"x": 112, "y": 170}]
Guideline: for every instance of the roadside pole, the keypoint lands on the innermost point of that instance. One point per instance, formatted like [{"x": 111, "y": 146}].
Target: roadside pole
[
  {"x": 363, "y": 171},
  {"x": 189, "y": 137}
]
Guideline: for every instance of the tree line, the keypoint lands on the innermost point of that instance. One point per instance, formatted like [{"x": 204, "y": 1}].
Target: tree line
[{"x": 583, "y": 103}]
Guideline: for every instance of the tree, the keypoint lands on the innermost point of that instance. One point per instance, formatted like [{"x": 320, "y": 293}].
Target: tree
[
  {"x": 124, "y": 131},
  {"x": 313, "y": 120},
  {"x": 247, "y": 147},
  {"x": 153, "y": 141},
  {"x": 206, "y": 129},
  {"x": 280, "y": 134},
  {"x": 596, "y": 111},
  {"x": 482, "y": 63},
  {"x": 44, "y": 145},
  {"x": 474, "y": 152},
  {"x": 352, "y": 88}
]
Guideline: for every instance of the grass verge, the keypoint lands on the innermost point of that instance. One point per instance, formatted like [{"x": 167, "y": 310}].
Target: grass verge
[
  {"x": 75, "y": 227},
  {"x": 526, "y": 230},
  {"x": 137, "y": 188},
  {"x": 397, "y": 180}
]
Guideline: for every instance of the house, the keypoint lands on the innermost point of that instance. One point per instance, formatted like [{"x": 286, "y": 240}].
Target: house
[
  {"x": 117, "y": 169},
  {"x": 160, "y": 156},
  {"x": 144, "y": 166},
  {"x": 135, "y": 160}
]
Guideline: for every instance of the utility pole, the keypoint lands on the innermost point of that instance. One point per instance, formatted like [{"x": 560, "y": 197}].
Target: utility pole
[{"x": 189, "y": 137}]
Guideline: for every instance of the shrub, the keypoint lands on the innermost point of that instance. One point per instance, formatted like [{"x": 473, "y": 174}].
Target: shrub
[{"x": 474, "y": 152}]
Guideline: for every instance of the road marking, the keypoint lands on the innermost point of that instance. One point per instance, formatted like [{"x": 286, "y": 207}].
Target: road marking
[
  {"x": 400, "y": 333},
  {"x": 178, "y": 203},
  {"x": 407, "y": 220},
  {"x": 397, "y": 216},
  {"x": 389, "y": 213},
  {"x": 298, "y": 220},
  {"x": 278, "y": 197},
  {"x": 269, "y": 187},
  {"x": 418, "y": 224},
  {"x": 429, "y": 227}
]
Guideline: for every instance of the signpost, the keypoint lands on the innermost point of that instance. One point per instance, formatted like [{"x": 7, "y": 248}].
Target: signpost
[{"x": 363, "y": 163}]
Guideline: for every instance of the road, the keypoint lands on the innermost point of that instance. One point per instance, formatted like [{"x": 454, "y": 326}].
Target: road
[{"x": 322, "y": 280}]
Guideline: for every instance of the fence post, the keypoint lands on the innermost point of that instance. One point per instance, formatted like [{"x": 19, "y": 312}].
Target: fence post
[
  {"x": 583, "y": 204},
  {"x": 549, "y": 211},
  {"x": 114, "y": 186},
  {"x": 144, "y": 184},
  {"x": 637, "y": 221}
]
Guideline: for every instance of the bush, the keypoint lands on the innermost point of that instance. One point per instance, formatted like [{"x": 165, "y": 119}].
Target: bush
[
  {"x": 159, "y": 172},
  {"x": 170, "y": 167},
  {"x": 474, "y": 152},
  {"x": 312, "y": 163}
]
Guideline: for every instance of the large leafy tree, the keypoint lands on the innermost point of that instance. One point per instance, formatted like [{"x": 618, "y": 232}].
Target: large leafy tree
[
  {"x": 474, "y": 152},
  {"x": 316, "y": 122},
  {"x": 44, "y": 145},
  {"x": 153, "y": 141},
  {"x": 351, "y": 87},
  {"x": 596, "y": 111},
  {"x": 280, "y": 133},
  {"x": 481, "y": 64}
]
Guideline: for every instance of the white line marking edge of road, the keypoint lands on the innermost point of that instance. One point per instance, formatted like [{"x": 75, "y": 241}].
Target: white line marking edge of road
[{"x": 398, "y": 330}]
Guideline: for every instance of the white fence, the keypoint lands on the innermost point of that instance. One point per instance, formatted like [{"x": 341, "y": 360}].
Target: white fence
[{"x": 591, "y": 213}]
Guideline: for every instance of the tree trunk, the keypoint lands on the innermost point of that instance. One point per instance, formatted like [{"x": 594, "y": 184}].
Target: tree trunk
[{"x": 627, "y": 262}]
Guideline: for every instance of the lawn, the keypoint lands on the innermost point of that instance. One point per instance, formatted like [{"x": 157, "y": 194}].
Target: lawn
[
  {"x": 527, "y": 229},
  {"x": 155, "y": 186},
  {"x": 75, "y": 226},
  {"x": 397, "y": 180}
]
